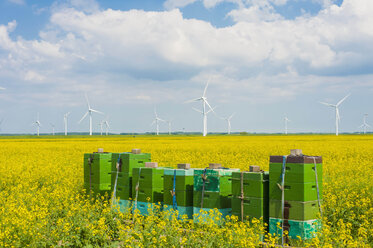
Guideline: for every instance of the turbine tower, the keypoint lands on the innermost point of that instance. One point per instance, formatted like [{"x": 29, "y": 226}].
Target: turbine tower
[
  {"x": 52, "y": 125},
  {"x": 286, "y": 120},
  {"x": 205, "y": 103},
  {"x": 169, "y": 127},
  {"x": 156, "y": 121},
  {"x": 89, "y": 112},
  {"x": 101, "y": 124},
  {"x": 37, "y": 123},
  {"x": 107, "y": 126},
  {"x": 337, "y": 116},
  {"x": 229, "y": 122},
  {"x": 65, "y": 121},
  {"x": 365, "y": 124}
]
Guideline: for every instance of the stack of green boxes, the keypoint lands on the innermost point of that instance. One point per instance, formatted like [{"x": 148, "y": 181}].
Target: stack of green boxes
[
  {"x": 121, "y": 176},
  {"x": 212, "y": 190},
  {"x": 250, "y": 194},
  {"x": 147, "y": 187},
  {"x": 97, "y": 170},
  {"x": 183, "y": 184},
  {"x": 301, "y": 198}
]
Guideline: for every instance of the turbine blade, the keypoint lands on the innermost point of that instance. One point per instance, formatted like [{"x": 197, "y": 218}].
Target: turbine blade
[
  {"x": 327, "y": 104},
  {"x": 212, "y": 109},
  {"x": 96, "y": 111},
  {"x": 86, "y": 98},
  {"x": 84, "y": 116},
  {"x": 207, "y": 84},
  {"x": 194, "y": 100},
  {"x": 230, "y": 117},
  {"x": 199, "y": 111},
  {"x": 209, "y": 106},
  {"x": 344, "y": 98},
  {"x": 152, "y": 123}
]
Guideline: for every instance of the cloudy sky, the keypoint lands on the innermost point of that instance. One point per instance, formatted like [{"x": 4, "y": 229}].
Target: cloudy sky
[{"x": 265, "y": 59}]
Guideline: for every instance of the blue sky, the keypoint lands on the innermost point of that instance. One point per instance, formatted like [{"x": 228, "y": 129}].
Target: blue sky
[{"x": 265, "y": 59}]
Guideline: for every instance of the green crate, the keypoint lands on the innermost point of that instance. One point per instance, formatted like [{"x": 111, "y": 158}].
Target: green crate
[
  {"x": 295, "y": 172},
  {"x": 303, "y": 229},
  {"x": 183, "y": 198},
  {"x": 181, "y": 182},
  {"x": 217, "y": 180},
  {"x": 297, "y": 210},
  {"x": 252, "y": 176},
  {"x": 128, "y": 161},
  {"x": 124, "y": 192},
  {"x": 149, "y": 195},
  {"x": 252, "y": 208},
  {"x": 212, "y": 200},
  {"x": 149, "y": 177},
  {"x": 122, "y": 179},
  {"x": 254, "y": 184},
  {"x": 98, "y": 189},
  {"x": 295, "y": 191},
  {"x": 100, "y": 168}
]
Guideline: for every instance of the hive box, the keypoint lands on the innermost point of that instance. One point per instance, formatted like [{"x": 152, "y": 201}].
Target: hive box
[
  {"x": 252, "y": 208},
  {"x": 296, "y": 210},
  {"x": 150, "y": 181},
  {"x": 217, "y": 180},
  {"x": 304, "y": 229},
  {"x": 255, "y": 184},
  {"x": 302, "y": 192},
  {"x": 99, "y": 164},
  {"x": 299, "y": 169}
]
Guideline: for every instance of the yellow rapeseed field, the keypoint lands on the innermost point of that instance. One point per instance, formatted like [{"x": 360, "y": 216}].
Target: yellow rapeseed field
[{"x": 42, "y": 202}]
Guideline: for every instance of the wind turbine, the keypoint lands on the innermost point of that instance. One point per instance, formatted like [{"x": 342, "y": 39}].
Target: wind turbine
[
  {"x": 37, "y": 123},
  {"x": 337, "y": 116},
  {"x": 286, "y": 120},
  {"x": 229, "y": 122},
  {"x": 169, "y": 127},
  {"x": 89, "y": 112},
  {"x": 156, "y": 121},
  {"x": 52, "y": 125},
  {"x": 365, "y": 124},
  {"x": 101, "y": 125},
  {"x": 65, "y": 121},
  {"x": 203, "y": 98},
  {"x": 106, "y": 123}
]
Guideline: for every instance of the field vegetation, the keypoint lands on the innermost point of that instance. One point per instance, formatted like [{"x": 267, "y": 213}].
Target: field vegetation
[{"x": 43, "y": 204}]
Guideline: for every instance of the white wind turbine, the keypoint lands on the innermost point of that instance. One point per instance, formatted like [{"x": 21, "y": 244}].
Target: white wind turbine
[
  {"x": 52, "y": 125},
  {"x": 37, "y": 123},
  {"x": 286, "y": 120},
  {"x": 365, "y": 124},
  {"x": 337, "y": 116},
  {"x": 156, "y": 121},
  {"x": 169, "y": 127},
  {"x": 65, "y": 116},
  {"x": 89, "y": 112},
  {"x": 101, "y": 124},
  {"x": 203, "y": 98},
  {"x": 107, "y": 126},
  {"x": 229, "y": 122}
]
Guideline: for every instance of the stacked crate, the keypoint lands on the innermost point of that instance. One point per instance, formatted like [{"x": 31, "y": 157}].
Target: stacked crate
[
  {"x": 147, "y": 190},
  {"x": 299, "y": 212},
  {"x": 121, "y": 176},
  {"x": 178, "y": 184},
  {"x": 250, "y": 194},
  {"x": 212, "y": 190},
  {"x": 97, "y": 172}
]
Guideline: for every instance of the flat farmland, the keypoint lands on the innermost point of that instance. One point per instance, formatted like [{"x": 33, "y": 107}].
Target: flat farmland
[{"x": 43, "y": 204}]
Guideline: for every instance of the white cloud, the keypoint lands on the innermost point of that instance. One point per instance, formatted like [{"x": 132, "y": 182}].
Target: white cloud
[{"x": 153, "y": 54}]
